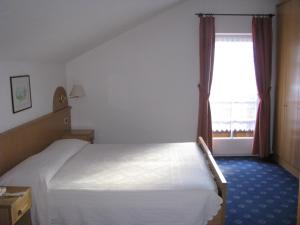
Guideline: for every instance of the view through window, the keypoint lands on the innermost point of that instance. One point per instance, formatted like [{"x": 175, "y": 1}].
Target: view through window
[{"x": 233, "y": 95}]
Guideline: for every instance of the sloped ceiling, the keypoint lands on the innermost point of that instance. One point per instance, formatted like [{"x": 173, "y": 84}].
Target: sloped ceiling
[{"x": 59, "y": 30}]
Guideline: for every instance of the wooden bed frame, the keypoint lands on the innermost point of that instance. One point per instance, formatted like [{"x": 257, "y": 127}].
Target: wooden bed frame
[
  {"x": 220, "y": 180},
  {"x": 30, "y": 138}
]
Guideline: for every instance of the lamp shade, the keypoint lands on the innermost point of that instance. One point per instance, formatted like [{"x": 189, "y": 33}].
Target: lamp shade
[{"x": 77, "y": 91}]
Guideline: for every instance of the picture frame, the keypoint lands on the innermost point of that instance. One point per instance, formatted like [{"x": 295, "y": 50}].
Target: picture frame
[{"x": 20, "y": 93}]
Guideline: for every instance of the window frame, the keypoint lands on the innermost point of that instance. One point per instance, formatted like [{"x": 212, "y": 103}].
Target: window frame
[{"x": 233, "y": 133}]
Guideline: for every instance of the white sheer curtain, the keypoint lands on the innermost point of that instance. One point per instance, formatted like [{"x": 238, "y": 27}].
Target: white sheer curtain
[{"x": 233, "y": 95}]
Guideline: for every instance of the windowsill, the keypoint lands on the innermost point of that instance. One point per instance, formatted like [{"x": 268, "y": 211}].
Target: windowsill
[
  {"x": 239, "y": 138},
  {"x": 233, "y": 135}
]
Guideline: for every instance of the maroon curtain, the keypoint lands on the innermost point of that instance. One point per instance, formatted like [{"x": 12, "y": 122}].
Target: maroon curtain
[
  {"x": 262, "y": 47},
  {"x": 207, "y": 49}
]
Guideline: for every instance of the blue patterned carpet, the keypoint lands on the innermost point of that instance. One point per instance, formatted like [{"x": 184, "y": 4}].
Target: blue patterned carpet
[{"x": 259, "y": 192}]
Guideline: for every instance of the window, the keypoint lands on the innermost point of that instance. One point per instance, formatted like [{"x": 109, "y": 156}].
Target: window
[{"x": 233, "y": 95}]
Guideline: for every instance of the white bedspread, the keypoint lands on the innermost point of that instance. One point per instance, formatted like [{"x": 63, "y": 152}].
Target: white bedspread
[
  {"x": 154, "y": 184},
  {"x": 75, "y": 183}
]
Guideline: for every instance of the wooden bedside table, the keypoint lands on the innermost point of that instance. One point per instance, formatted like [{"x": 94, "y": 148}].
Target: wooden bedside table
[
  {"x": 16, "y": 210},
  {"x": 87, "y": 135}
]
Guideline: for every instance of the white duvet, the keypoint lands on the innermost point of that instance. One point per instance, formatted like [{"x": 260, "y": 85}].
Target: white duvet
[{"x": 153, "y": 184}]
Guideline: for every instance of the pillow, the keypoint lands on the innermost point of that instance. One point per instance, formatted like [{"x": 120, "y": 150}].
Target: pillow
[
  {"x": 45, "y": 163},
  {"x": 37, "y": 170}
]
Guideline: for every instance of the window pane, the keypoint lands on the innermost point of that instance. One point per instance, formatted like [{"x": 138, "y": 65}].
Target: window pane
[{"x": 233, "y": 94}]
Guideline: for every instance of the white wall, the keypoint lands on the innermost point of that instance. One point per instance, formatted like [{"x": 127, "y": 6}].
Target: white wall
[
  {"x": 232, "y": 146},
  {"x": 142, "y": 85},
  {"x": 44, "y": 78}
]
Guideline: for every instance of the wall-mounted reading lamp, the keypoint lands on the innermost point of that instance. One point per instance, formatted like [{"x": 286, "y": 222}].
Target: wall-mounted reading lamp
[{"x": 77, "y": 91}]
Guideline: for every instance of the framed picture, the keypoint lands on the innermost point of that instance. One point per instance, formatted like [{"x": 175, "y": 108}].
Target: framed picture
[{"x": 20, "y": 93}]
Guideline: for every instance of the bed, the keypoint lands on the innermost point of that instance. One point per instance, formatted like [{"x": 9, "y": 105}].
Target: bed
[{"x": 74, "y": 182}]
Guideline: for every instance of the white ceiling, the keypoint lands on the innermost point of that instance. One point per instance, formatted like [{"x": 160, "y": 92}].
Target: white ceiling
[{"x": 59, "y": 30}]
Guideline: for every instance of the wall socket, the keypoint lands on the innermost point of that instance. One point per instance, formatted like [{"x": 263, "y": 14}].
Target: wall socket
[
  {"x": 66, "y": 120},
  {"x": 67, "y": 123}
]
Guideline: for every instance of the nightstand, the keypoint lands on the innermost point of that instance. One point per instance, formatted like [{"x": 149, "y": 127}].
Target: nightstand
[
  {"x": 16, "y": 210},
  {"x": 87, "y": 135}
]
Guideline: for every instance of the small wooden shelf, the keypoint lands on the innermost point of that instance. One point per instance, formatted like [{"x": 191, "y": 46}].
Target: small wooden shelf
[
  {"x": 82, "y": 134},
  {"x": 16, "y": 210}
]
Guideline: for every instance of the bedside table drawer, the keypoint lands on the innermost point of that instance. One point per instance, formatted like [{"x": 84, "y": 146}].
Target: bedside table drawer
[
  {"x": 15, "y": 210},
  {"x": 20, "y": 207}
]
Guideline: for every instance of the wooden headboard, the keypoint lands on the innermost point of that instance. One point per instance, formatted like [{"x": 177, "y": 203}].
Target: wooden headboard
[{"x": 19, "y": 143}]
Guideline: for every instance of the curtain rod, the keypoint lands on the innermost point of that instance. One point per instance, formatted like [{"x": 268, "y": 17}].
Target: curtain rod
[{"x": 225, "y": 14}]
